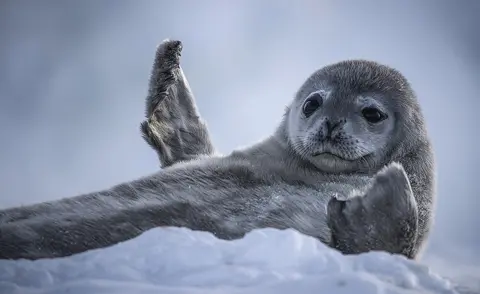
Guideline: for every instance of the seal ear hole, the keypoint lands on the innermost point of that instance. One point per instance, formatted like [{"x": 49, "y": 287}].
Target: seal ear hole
[
  {"x": 313, "y": 102},
  {"x": 373, "y": 115}
]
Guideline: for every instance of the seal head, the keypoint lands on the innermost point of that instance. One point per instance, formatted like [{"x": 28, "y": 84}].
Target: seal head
[{"x": 353, "y": 116}]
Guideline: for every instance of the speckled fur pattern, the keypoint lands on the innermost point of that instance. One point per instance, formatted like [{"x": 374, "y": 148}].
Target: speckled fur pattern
[{"x": 382, "y": 201}]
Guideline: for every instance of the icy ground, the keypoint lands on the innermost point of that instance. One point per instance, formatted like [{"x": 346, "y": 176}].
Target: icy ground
[{"x": 178, "y": 260}]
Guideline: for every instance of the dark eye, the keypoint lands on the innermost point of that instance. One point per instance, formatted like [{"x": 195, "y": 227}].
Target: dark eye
[
  {"x": 373, "y": 115},
  {"x": 312, "y": 103}
]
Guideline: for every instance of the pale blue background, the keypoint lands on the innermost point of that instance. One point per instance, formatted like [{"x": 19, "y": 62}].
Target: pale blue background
[{"x": 73, "y": 77}]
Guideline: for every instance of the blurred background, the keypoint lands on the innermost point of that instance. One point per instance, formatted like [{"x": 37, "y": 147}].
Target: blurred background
[{"x": 74, "y": 74}]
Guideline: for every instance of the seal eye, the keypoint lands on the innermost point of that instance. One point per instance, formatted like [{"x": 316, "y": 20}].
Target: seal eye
[
  {"x": 373, "y": 115},
  {"x": 312, "y": 103}
]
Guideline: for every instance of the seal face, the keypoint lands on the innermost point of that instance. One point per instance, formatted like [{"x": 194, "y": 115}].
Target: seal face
[{"x": 344, "y": 117}]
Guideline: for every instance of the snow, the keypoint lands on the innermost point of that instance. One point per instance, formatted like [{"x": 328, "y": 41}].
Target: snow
[{"x": 180, "y": 261}]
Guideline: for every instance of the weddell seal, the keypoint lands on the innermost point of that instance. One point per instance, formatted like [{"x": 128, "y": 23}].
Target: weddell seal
[{"x": 350, "y": 164}]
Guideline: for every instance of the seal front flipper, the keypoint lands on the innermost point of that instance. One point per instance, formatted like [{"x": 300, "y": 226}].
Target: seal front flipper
[
  {"x": 173, "y": 128},
  {"x": 384, "y": 219}
]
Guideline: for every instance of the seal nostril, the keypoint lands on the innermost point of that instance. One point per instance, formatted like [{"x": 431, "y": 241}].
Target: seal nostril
[
  {"x": 339, "y": 124},
  {"x": 328, "y": 125}
]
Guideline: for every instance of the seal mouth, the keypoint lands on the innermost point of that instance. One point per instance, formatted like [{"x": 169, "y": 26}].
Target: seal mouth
[
  {"x": 327, "y": 154},
  {"x": 330, "y": 155}
]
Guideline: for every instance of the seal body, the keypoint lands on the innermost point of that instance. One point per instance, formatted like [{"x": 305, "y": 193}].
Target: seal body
[
  {"x": 228, "y": 196},
  {"x": 350, "y": 164}
]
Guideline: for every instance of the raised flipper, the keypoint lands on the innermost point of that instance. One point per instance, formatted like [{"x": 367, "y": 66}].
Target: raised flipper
[{"x": 173, "y": 128}]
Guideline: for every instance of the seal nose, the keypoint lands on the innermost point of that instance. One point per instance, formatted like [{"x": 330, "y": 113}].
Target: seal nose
[{"x": 331, "y": 129}]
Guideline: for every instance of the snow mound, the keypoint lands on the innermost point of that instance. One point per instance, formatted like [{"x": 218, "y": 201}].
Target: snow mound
[{"x": 178, "y": 260}]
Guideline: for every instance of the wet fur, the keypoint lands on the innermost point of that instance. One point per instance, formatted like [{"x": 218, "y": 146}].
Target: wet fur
[{"x": 266, "y": 185}]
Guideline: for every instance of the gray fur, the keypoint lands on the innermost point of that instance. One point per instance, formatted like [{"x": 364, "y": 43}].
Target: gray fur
[{"x": 276, "y": 183}]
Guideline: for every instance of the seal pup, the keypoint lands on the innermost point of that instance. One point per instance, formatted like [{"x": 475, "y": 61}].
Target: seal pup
[{"x": 339, "y": 143}]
